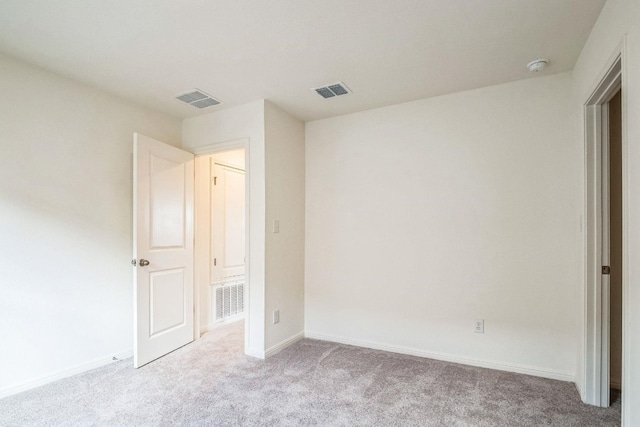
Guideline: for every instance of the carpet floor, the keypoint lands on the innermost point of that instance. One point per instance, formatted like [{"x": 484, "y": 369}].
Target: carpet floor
[{"x": 312, "y": 383}]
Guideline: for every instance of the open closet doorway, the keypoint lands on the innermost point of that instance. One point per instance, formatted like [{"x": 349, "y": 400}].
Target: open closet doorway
[
  {"x": 220, "y": 238},
  {"x": 606, "y": 254}
]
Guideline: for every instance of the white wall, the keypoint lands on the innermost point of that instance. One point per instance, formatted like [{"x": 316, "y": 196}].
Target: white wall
[
  {"x": 276, "y": 176},
  {"x": 285, "y": 203},
  {"x": 424, "y": 216},
  {"x": 235, "y": 123},
  {"x": 65, "y": 222},
  {"x": 617, "y": 19},
  {"x": 232, "y": 157}
]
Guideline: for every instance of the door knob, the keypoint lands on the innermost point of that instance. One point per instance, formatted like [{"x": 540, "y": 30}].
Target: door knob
[{"x": 143, "y": 262}]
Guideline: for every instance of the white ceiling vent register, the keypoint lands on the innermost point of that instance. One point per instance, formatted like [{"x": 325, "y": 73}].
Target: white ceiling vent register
[
  {"x": 335, "y": 89},
  {"x": 198, "y": 98}
]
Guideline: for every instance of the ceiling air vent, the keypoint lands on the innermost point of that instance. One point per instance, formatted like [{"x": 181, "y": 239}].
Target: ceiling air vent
[
  {"x": 335, "y": 89},
  {"x": 198, "y": 99}
]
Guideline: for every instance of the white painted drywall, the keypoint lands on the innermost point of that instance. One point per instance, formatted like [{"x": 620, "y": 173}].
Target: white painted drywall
[
  {"x": 424, "y": 216},
  {"x": 618, "y": 19},
  {"x": 65, "y": 222},
  {"x": 231, "y": 157},
  {"x": 242, "y": 122},
  {"x": 285, "y": 203}
]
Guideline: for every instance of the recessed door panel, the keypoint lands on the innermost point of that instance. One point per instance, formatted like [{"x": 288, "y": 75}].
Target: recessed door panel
[
  {"x": 234, "y": 219},
  {"x": 167, "y": 207},
  {"x": 227, "y": 222},
  {"x": 167, "y": 299}
]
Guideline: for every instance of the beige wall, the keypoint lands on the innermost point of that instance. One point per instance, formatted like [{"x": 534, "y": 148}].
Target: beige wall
[
  {"x": 285, "y": 203},
  {"x": 65, "y": 222},
  {"x": 425, "y": 216},
  {"x": 231, "y": 157}
]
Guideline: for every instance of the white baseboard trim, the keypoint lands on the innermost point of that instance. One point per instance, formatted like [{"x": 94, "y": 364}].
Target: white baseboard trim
[
  {"x": 213, "y": 325},
  {"x": 252, "y": 352},
  {"x": 580, "y": 389},
  {"x": 500, "y": 366},
  {"x": 64, "y": 373},
  {"x": 261, "y": 354},
  {"x": 284, "y": 344}
]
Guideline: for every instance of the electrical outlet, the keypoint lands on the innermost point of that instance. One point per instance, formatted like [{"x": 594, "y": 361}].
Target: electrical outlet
[
  {"x": 479, "y": 326},
  {"x": 276, "y": 225},
  {"x": 276, "y": 316}
]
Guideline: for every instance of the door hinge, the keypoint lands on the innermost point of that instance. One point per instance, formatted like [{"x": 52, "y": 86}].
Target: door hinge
[
  {"x": 215, "y": 262},
  {"x": 215, "y": 180},
  {"x": 606, "y": 269},
  {"x": 134, "y": 262}
]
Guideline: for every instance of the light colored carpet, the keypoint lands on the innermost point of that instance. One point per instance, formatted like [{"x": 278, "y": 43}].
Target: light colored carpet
[{"x": 312, "y": 383}]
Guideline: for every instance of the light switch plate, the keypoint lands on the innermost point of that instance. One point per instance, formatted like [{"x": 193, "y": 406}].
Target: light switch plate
[{"x": 276, "y": 225}]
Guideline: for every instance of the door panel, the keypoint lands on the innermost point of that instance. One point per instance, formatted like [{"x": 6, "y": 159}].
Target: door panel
[
  {"x": 227, "y": 222},
  {"x": 234, "y": 219},
  {"x": 167, "y": 310},
  {"x": 163, "y": 236},
  {"x": 167, "y": 188}
]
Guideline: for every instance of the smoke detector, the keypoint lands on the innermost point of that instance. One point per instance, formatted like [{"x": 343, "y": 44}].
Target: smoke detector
[
  {"x": 329, "y": 91},
  {"x": 198, "y": 99},
  {"x": 538, "y": 65}
]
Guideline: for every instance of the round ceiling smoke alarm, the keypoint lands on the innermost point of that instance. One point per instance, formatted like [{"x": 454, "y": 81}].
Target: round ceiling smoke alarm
[{"x": 537, "y": 64}]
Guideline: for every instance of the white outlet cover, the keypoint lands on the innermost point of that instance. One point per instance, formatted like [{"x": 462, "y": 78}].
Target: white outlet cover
[{"x": 479, "y": 326}]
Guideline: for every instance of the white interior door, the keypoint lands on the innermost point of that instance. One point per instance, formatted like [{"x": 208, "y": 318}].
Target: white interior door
[
  {"x": 227, "y": 222},
  {"x": 163, "y": 248}
]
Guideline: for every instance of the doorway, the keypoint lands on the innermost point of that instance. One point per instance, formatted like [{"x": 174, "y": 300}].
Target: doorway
[
  {"x": 606, "y": 261},
  {"x": 165, "y": 247},
  {"x": 220, "y": 238}
]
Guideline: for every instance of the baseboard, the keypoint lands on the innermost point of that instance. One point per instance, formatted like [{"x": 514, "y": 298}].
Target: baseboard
[
  {"x": 258, "y": 354},
  {"x": 284, "y": 344},
  {"x": 64, "y": 373},
  {"x": 578, "y": 385},
  {"x": 508, "y": 367},
  {"x": 213, "y": 325}
]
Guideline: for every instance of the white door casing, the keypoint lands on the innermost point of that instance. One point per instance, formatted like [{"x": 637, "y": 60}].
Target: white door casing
[
  {"x": 596, "y": 309},
  {"x": 227, "y": 222},
  {"x": 605, "y": 284},
  {"x": 163, "y": 235}
]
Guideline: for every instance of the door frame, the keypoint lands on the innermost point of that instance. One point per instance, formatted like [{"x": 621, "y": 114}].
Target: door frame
[
  {"x": 207, "y": 150},
  {"x": 596, "y": 291}
]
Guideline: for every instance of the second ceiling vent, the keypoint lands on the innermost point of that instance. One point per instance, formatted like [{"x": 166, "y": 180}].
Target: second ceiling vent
[
  {"x": 335, "y": 89},
  {"x": 198, "y": 98}
]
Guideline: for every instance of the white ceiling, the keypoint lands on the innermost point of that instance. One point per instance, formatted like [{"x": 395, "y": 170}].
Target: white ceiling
[{"x": 386, "y": 51}]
